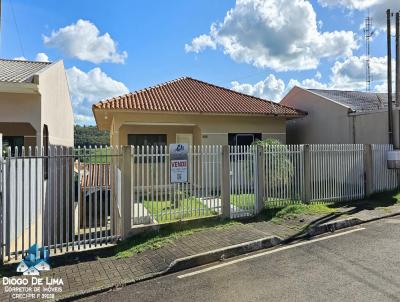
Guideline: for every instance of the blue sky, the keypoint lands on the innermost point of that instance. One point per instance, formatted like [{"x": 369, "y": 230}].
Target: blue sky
[{"x": 257, "y": 47}]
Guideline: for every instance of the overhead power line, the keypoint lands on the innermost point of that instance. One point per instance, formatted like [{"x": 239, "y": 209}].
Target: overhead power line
[{"x": 16, "y": 27}]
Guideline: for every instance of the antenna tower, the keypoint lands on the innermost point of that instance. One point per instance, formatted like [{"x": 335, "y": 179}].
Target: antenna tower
[{"x": 367, "y": 36}]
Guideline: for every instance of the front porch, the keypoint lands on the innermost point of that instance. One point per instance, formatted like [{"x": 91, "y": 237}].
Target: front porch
[
  {"x": 18, "y": 135},
  {"x": 139, "y": 134}
]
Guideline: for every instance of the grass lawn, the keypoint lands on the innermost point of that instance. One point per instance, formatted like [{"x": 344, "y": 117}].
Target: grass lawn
[
  {"x": 155, "y": 240},
  {"x": 243, "y": 201},
  {"x": 94, "y": 155},
  {"x": 164, "y": 236},
  {"x": 294, "y": 210},
  {"x": 188, "y": 208}
]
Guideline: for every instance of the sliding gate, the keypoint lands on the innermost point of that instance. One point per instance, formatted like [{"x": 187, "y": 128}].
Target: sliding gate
[{"x": 64, "y": 199}]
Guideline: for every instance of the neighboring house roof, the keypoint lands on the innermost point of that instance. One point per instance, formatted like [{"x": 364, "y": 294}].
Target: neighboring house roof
[
  {"x": 17, "y": 71},
  {"x": 357, "y": 101},
  {"x": 193, "y": 96}
]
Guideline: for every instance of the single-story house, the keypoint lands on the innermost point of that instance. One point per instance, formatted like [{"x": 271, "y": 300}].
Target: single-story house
[
  {"x": 190, "y": 111},
  {"x": 337, "y": 117},
  {"x": 36, "y": 109}
]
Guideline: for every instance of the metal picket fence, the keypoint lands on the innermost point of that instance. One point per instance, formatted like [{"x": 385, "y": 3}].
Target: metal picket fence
[
  {"x": 284, "y": 174},
  {"x": 337, "y": 172},
  {"x": 157, "y": 200},
  {"x": 70, "y": 199},
  {"x": 242, "y": 171},
  {"x": 63, "y": 199},
  {"x": 384, "y": 179}
]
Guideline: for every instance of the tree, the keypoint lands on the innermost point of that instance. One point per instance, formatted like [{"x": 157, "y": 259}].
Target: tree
[
  {"x": 280, "y": 168},
  {"x": 90, "y": 136}
]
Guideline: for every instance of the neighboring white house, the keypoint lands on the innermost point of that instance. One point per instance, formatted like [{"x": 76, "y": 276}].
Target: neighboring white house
[
  {"x": 35, "y": 110},
  {"x": 35, "y": 104},
  {"x": 337, "y": 117}
]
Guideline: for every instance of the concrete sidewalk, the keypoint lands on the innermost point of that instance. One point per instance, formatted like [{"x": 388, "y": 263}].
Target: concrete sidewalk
[{"x": 102, "y": 274}]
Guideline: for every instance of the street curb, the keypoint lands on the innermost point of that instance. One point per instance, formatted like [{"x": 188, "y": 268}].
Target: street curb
[
  {"x": 333, "y": 226},
  {"x": 227, "y": 252},
  {"x": 187, "y": 262},
  {"x": 222, "y": 253}
]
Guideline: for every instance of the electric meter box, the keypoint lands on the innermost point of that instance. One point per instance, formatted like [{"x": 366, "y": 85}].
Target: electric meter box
[{"x": 393, "y": 159}]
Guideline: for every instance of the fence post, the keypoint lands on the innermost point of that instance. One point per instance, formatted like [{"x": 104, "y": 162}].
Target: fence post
[
  {"x": 368, "y": 170},
  {"x": 126, "y": 188},
  {"x": 260, "y": 179},
  {"x": 307, "y": 174},
  {"x": 225, "y": 183}
]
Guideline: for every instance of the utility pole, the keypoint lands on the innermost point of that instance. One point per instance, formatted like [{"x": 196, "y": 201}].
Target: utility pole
[
  {"x": 0, "y": 27},
  {"x": 397, "y": 59},
  {"x": 389, "y": 78}
]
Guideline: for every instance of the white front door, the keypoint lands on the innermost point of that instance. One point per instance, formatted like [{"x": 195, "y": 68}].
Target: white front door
[{"x": 184, "y": 138}]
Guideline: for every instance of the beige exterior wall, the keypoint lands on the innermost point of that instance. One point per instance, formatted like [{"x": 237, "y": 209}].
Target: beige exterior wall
[
  {"x": 326, "y": 122},
  {"x": 46, "y": 101},
  {"x": 330, "y": 123},
  {"x": 56, "y": 105},
  {"x": 206, "y": 129},
  {"x": 371, "y": 128},
  {"x": 20, "y": 108}
]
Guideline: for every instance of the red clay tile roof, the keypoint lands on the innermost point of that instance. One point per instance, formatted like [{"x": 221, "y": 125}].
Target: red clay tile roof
[{"x": 194, "y": 96}]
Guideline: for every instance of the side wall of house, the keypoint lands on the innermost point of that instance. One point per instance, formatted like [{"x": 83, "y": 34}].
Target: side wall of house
[
  {"x": 371, "y": 128},
  {"x": 22, "y": 108},
  {"x": 56, "y": 105},
  {"x": 206, "y": 129},
  {"x": 326, "y": 122}
]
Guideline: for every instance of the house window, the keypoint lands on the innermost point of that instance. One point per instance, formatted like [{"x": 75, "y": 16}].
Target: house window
[
  {"x": 243, "y": 139},
  {"x": 145, "y": 140},
  {"x": 13, "y": 141}
]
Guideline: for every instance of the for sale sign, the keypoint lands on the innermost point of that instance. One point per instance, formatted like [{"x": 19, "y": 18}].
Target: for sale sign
[{"x": 178, "y": 162}]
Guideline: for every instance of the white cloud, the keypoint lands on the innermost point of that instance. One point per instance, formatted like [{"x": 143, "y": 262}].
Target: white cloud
[
  {"x": 377, "y": 8},
  {"x": 307, "y": 83},
  {"x": 82, "y": 40},
  {"x": 83, "y": 119},
  {"x": 278, "y": 34},
  {"x": 271, "y": 88},
  {"x": 87, "y": 88},
  {"x": 350, "y": 4},
  {"x": 42, "y": 57},
  {"x": 350, "y": 73},
  {"x": 200, "y": 43}
]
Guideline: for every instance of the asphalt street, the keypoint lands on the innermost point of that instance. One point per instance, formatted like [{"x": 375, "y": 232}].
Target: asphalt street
[{"x": 358, "y": 264}]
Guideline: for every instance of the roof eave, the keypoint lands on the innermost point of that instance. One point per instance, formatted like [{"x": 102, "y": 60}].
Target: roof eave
[
  {"x": 112, "y": 110},
  {"x": 11, "y": 87}
]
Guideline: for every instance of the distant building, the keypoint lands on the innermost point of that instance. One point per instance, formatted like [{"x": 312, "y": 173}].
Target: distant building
[
  {"x": 337, "y": 117},
  {"x": 36, "y": 109},
  {"x": 191, "y": 111}
]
